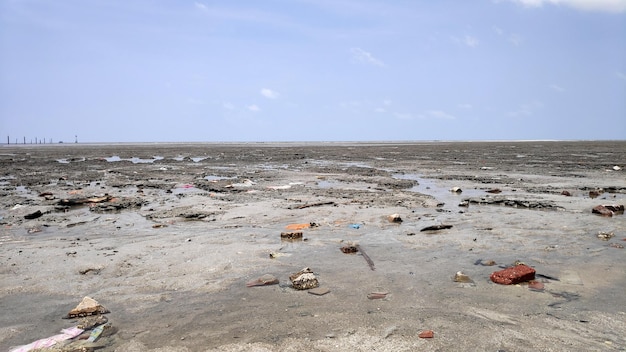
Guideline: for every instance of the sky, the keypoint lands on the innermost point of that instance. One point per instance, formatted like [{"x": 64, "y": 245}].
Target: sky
[{"x": 312, "y": 70}]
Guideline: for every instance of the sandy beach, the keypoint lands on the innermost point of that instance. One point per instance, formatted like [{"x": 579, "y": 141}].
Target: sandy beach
[{"x": 167, "y": 236}]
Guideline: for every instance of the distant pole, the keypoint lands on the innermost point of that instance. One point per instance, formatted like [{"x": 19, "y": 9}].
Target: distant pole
[
  {"x": 24, "y": 140},
  {"x": 76, "y": 136}
]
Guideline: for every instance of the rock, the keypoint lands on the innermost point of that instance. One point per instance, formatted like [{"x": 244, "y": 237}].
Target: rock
[
  {"x": 566, "y": 193},
  {"x": 290, "y": 236},
  {"x": 605, "y": 236},
  {"x": 426, "y": 334},
  {"x": 616, "y": 168},
  {"x": 34, "y": 215},
  {"x": 88, "y": 306},
  {"x": 608, "y": 210},
  {"x": 513, "y": 275},
  {"x": 494, "y": 190},
  {"x": 395, "y": 218},
  {"x": 460, "y": 277},
  {"x": 349, "y": 249},
  {"x": 456, "y": 190},
  {"x": 304, "y": 280}
]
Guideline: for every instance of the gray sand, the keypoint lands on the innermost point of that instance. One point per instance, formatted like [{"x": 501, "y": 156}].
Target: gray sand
[{"x": 171, "y": 253}]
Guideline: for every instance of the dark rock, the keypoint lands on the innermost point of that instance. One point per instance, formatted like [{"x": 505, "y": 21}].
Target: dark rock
[
  {"x": 436, "y": 228},
  {"x": 34, "y": 215},
  {"x": 566, "y": 193},
  {"x": 513, "y": 275},
  {"x": 608, "y": 210}
]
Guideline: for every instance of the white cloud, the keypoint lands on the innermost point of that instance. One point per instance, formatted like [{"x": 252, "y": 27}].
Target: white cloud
[
  {"x": 380, "y": 110},
  {"x": 270, "y": 94},
  {"x": 615, "y": 6},
  {"x": 557, "y": 88},
  {"x": 527, "y": 109},
  {"x": 387, "y": 102},
  {"x": 470, "y": 41},
  {"x": 201, "y": 6},
  {"x": 254, "y": 108},
  {"x": 438, "y": 114},
  {"x": 228, "y": 106},
  {"x": 363, "y": 56},
  {"x": 465, "y": 106}
]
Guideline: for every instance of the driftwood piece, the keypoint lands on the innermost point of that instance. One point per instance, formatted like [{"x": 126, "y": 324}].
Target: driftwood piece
[
  {"x": 79, "y": 201},
  {"x": 367, "y": 258},
  {"x": 309, "y": 205},
  {"x": 436, "y": 228}
]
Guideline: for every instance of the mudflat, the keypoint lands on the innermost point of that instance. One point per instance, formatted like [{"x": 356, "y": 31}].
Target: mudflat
[{"x": 184, "y": 243}]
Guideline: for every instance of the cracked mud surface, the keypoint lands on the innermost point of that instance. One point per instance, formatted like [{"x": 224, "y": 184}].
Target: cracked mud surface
[{"x": 187, "y": 225}]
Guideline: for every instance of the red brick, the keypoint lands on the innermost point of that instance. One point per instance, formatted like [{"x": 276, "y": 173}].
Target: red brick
[{"x": 513, "y": 275}]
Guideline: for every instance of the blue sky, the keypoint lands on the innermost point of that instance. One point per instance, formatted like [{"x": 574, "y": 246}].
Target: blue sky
[{"x": 312, "y": 70}]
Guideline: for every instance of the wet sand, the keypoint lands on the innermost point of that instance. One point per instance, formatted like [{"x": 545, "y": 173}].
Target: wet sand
[{"x": 184, "y": 227}]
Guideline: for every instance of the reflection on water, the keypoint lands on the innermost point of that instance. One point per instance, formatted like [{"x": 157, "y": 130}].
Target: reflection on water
[{"x": 134, "y": 160}]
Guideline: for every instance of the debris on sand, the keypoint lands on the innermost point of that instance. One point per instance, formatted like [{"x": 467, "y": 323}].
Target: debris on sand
[
  {"x": 436, "y": 228},
  {"x": 605, "y": 236},
  {"x": 264, "y": 280},
  {"x": 291, "y": 236},
  {"x": 319, "y": 291},
  {"x": 494, "y": 190},
  {"x": 456, "y": 190},
  {"x": 309, "y": 205},
  {"x": 34, "y": 215},
  {"x": 66, "y": 334},
  {"x": 366, "y": 257},
  {"x": 304, "y": 280},
  {"x": 349, "y": 249},
  {"x": 608, "y": 210},
  {"x": 394, "y": 218},
  {"x": 88, "y": 306},
  {"x": 460, "y": 277},
  {"x": 426, "y": 334},
  {"x": 377, "y": 295},
  {"x": 513, "y": 275}
]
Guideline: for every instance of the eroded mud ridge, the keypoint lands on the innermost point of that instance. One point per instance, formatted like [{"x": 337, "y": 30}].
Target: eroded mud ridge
[{"x": 179, "y": 242}]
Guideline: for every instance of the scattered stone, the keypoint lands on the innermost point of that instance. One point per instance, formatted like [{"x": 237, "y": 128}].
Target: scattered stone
[
  {"x": 319, "y": 291},
  {"x": 460, "y": 277},
  {"x": 536, "y": 286},
  {"x": 349, "y": 249},
  {"x": 290, "y": 236},
  {"x": 464, "y": 203},
  {"x": 296, "y": 227},
  {"x": 394, "y": 218},
  {"x": 88, "y": 306},
  {"x": 566, "y": 193},
  {"x": 616, "y": 168},
  {"x": 616, "y": 245},
  {"x": 34, "y": 215},
  {"x": 377, "y": 295},
  {"x": 90, "y": 322},
  {"x": 494, "y": 190},
  {"x": 608, "y": 210},
  {"x": 513, "y": 275},
  {"x": 594, "y": 194},
  {"x": 436, "y": 228},
  {"x": 456, "y": 190},
  {"x": 264, "y": 280},
  {"x": 426, "y": 334},
  {"x": 304, "y": 280},
  {"x": 605, "y": 236}
]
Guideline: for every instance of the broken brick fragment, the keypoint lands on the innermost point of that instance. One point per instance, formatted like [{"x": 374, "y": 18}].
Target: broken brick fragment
[{"x": 513, "y": 275}]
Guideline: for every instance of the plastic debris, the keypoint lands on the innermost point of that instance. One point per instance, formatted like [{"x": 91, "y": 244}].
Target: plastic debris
[
  {"x": 355, "y": 226},
  {"x": 65, "y": 334}
]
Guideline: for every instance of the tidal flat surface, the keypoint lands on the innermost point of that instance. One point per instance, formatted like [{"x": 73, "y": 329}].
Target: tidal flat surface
[{"x": 166, "y": 236}]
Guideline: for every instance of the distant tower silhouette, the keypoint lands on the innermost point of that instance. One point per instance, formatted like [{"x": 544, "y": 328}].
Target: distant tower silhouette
[{"x": 76, "y": 136}]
